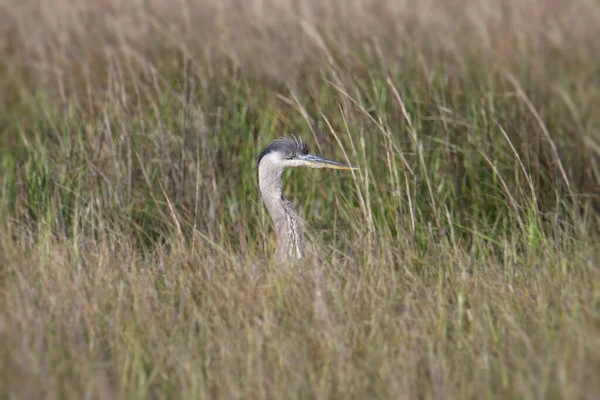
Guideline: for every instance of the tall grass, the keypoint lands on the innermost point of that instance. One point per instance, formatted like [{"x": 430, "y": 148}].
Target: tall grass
[{"x": 460, "y": 261}]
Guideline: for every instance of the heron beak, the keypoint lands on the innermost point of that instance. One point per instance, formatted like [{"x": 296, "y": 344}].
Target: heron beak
[{"x": 312, "y": 161}]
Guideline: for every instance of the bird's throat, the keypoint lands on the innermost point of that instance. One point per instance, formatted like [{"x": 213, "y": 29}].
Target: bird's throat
[{"x": 285, "y": 219}]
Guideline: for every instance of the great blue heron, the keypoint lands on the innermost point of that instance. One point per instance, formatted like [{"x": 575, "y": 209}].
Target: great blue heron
[{"x": 281, "y": 153}]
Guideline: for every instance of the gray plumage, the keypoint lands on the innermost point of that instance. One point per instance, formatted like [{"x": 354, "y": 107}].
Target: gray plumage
[
  {"x": 282, "y": 153},
  {"x": 286, "y": 146}
]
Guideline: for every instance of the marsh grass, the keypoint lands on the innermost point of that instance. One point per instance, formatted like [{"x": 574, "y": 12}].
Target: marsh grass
[{"x": 460, "y": 261}]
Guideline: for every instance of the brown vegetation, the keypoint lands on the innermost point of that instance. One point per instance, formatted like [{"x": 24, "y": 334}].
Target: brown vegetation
[{"x": 461, "y": 261}]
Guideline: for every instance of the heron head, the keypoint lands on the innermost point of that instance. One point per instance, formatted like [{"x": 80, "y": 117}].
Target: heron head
[{"x": 293, "y": 152}]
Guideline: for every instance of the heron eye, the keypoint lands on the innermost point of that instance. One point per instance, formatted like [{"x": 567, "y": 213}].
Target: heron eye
[{"x": 292, "y": 154}]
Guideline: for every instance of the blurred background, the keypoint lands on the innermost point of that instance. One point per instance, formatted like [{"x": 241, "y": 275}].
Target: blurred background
[{"x": 460, "y": 261}]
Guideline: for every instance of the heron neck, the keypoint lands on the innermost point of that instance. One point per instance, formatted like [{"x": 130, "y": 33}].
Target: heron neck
[
  {"x": 269, "y": 181},
  {"x": 285, "y": 220}
]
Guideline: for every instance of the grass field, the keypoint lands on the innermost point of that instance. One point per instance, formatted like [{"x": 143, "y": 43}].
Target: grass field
[{"x": 461, "y": 260}]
